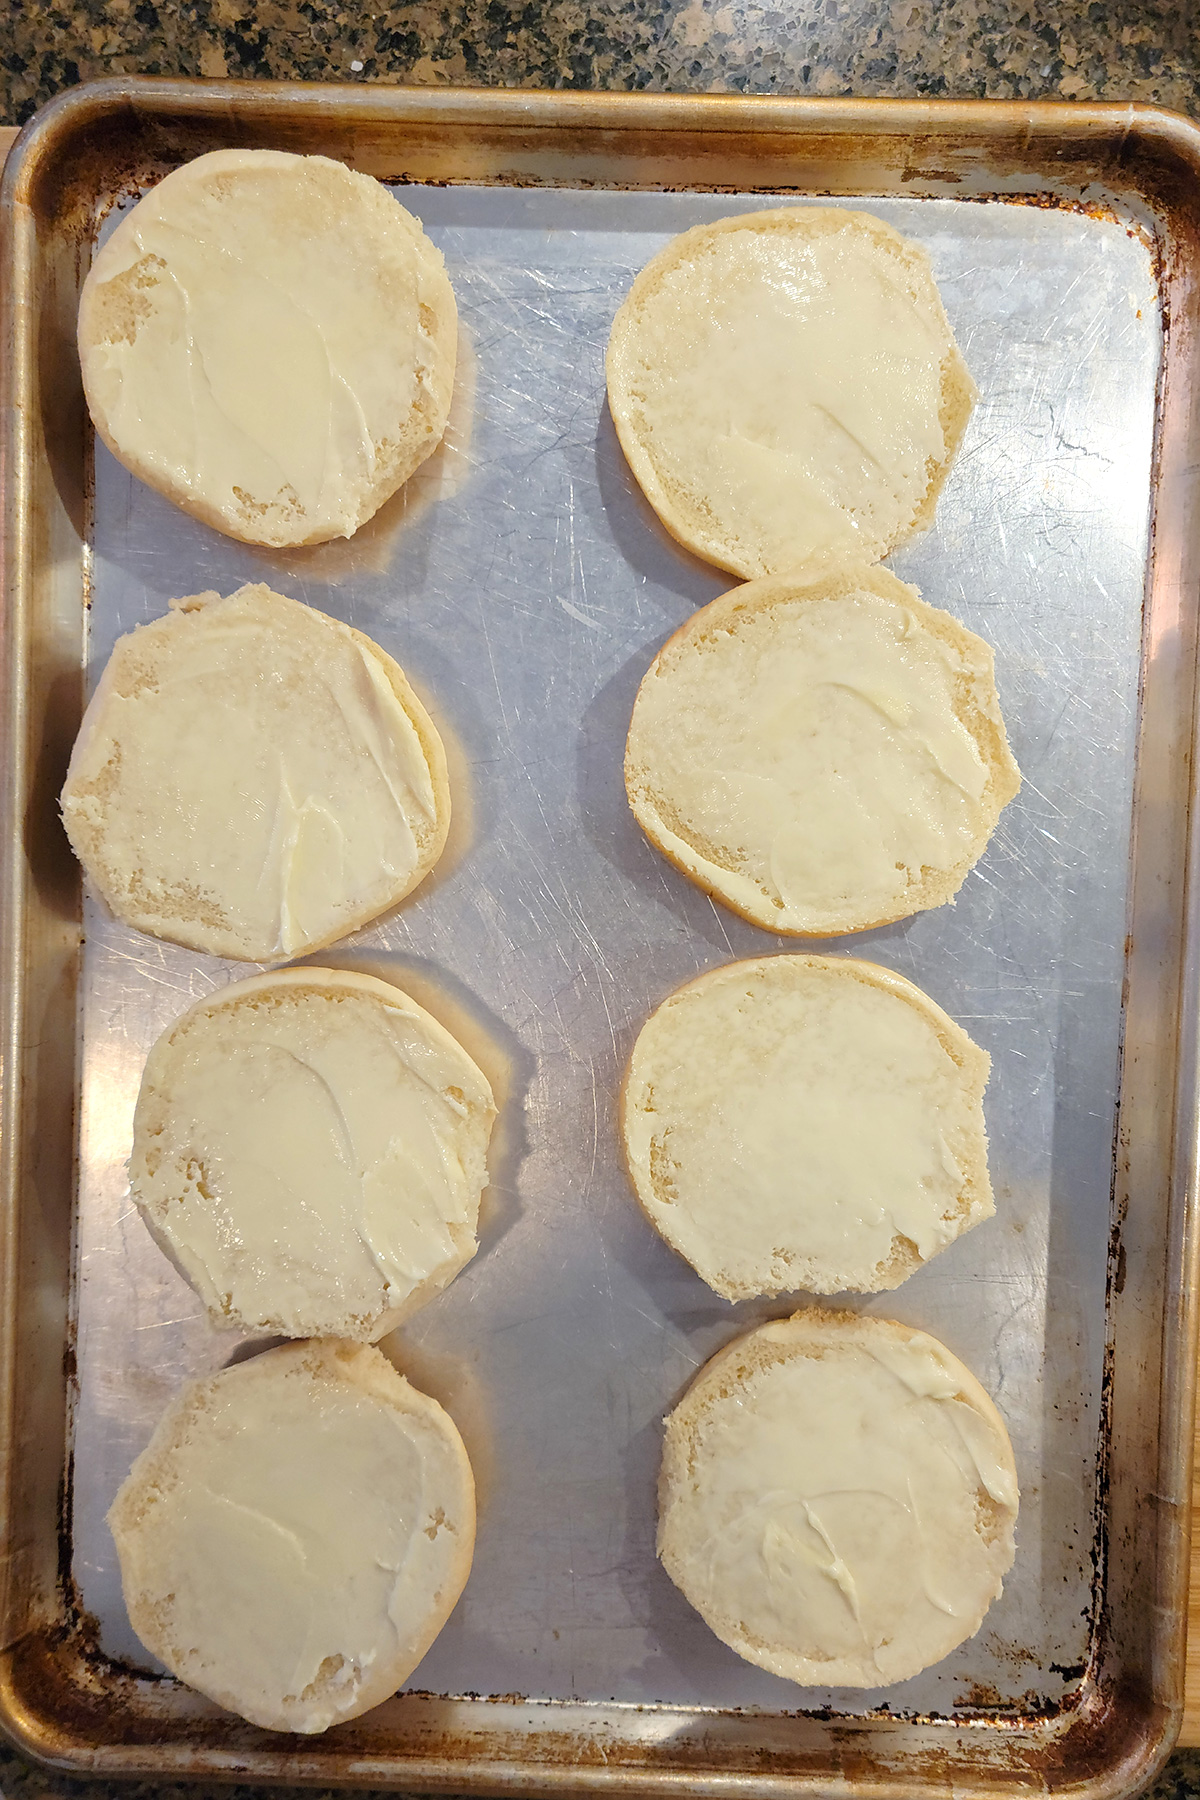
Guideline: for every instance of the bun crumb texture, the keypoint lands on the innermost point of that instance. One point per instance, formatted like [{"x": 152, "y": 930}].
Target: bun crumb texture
[
  {"x": 787, "y": 389},
  {"x": 806, "y": 1123},
  {"x": 254, "y": 779},
  {"x": 822, "y": 755},
  {"x": 837, "y": 1499},
  {"x": 296, "y": 1534},
  {"x": 269, "y": 340},
  {"x": 309, "y": 1149}
]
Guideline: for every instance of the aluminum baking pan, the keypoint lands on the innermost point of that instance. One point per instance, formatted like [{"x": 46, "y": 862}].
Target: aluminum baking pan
[{"x": 525, "y": 586}]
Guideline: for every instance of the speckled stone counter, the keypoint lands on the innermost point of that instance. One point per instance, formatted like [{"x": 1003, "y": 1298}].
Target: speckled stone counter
[
  {"x": 1115, "y": 50},
  {"x": 1062, "y": 49}
]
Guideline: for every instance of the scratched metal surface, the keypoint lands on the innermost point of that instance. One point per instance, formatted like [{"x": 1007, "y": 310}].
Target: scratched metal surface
[{"x": 525, "y": 586}]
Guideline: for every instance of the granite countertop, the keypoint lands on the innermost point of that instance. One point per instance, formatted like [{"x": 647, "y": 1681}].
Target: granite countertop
[
  {"x": 1124, "y": 50},
  {"x": 1146, "y": 50}
]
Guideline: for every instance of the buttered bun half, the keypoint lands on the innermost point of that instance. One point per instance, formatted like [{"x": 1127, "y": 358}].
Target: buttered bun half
[
  {"x": 269, "y": 340},
  {"x": 837, "y": 1499},
  {"x": 296, "y": 1534},
  {"x": 821, "y": 755},
  {"x": 806, "y": 1123},
  {"x": 254, "y": 779},
  {"x": 787, "y": 388},
  {"x": 310, "y": 1148}
]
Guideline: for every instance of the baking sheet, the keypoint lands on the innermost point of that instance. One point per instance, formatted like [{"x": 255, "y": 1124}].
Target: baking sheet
[{"x": 524, "y": 585}]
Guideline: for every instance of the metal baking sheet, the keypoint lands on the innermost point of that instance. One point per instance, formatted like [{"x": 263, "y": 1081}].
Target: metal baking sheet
[
  {"x": 526, "y": 598},
  {"x": 524, "y": 585}
]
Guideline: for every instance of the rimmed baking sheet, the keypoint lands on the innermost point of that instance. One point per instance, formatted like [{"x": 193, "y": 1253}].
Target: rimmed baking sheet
[{"x": 524, "y": 585}]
